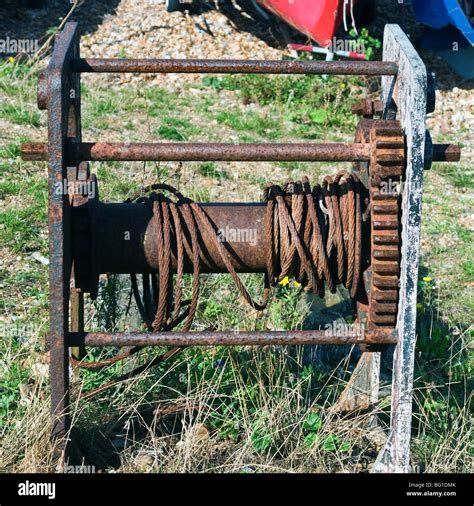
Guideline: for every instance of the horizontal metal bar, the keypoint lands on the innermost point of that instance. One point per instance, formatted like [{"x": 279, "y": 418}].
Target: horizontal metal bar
[
  {"x": 222, "y": 152},
  {"x": 187, "y": 152},
  {"x": 231, "y": 338},
  {"x": 369, "y": 68}
]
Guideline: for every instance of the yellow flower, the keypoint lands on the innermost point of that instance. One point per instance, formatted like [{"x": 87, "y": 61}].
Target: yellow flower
[
  {"x": 11, "y": 59},
  {"x": 284, "y": 281},
  {"x": 296, "y": 284},
  {"x": 427, "y": 279}
]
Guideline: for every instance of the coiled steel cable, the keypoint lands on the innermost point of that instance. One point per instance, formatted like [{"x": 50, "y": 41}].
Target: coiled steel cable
[{"x": 312, "y": 235}]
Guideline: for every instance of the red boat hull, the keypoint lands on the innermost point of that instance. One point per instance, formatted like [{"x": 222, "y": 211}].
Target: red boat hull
[{"x": 318, "y": 19}]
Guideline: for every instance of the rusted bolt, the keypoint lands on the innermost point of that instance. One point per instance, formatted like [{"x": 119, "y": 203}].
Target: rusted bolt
[
  {"x": 368, "y": 108},
  {"x": 446, "y": 153},
  {"x": 378, "y": 107},
  {"x": 440, "y": 152}
]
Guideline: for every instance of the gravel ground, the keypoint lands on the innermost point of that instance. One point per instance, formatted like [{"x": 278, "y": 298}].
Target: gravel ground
[{"x": 143, "y": 28}]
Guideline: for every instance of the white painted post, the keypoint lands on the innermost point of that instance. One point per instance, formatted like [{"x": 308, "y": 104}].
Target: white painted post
[{"x": 410, "y": 98}]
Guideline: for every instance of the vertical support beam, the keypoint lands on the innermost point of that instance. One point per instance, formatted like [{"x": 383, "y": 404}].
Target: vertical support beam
[
  {"x": 409, "y": 97},
  {"x": 59, "y": 103},
  {"x": 74, "y": 132}
]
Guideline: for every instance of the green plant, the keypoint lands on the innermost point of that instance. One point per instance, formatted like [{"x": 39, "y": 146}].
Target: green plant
[
  {"x": 171, "y": 133},
  {"x": 20, "y": 114},
  {"x": 365, "y": 40},
  {"x": 7, "y": 401},
  {"x": 52, "y": 30},
  {"x": 310, "y": 102},
  {"x": 462, "y": 177},
  {"x": 261, "y": 439},
  {"x": 312, "y": 424},
  {"x": 210, "y": 169}
]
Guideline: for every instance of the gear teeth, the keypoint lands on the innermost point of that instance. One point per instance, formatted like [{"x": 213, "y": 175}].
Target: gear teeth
[
  {"x": 383, "y": 320},
  {"x": 384, "y": 295},
  {"x": 386, "y": 237},
  {"x": 389, "y": 206},
  {"x": 385, "y": 175},
  {"x": 388, "y": 253},
  {"x": 385, "y": 281}
]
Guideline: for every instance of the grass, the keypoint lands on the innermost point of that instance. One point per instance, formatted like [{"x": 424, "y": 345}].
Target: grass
[
  {"x": 224, "y": 409},
  {"x": 462, "y": 179},
  {"x": 308, "y": 101},
  {"x": 16, "y": 105},
  {"x": 176, "y": 129},
  {"x": 210, "y": 169}
]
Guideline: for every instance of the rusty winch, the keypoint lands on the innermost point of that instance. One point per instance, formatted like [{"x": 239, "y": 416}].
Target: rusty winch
[{"x": 359, "y": 228}]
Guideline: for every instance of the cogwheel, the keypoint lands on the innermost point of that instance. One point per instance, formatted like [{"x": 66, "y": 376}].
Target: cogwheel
[{"x": 386, "y": 169}]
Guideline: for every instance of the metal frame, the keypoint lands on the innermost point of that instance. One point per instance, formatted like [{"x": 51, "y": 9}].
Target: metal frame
[
  {"x": 404, "y": 89},
  {"x": 409, "y": 96},
  {"x": 63, "y": 122}
]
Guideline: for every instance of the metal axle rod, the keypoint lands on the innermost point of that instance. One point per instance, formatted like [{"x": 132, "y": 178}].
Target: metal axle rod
[
  {"x": 222, "y": 152},
  {"x": 290, "y": 337},
  {"x": 192, "y": 152},
  {"x": 369, "y": 68},
  {"x": 446, "y": 153}
]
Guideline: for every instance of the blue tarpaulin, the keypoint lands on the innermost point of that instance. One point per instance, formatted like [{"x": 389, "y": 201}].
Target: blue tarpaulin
[
  {"x": 442, "y": 13},
  {"x": 449, "y": 32}
]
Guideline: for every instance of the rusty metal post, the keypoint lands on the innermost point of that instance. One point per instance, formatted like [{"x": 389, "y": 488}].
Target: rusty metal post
[
  {"x": 74, "y": 132},
  {"x": 63, "y": 120}
]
